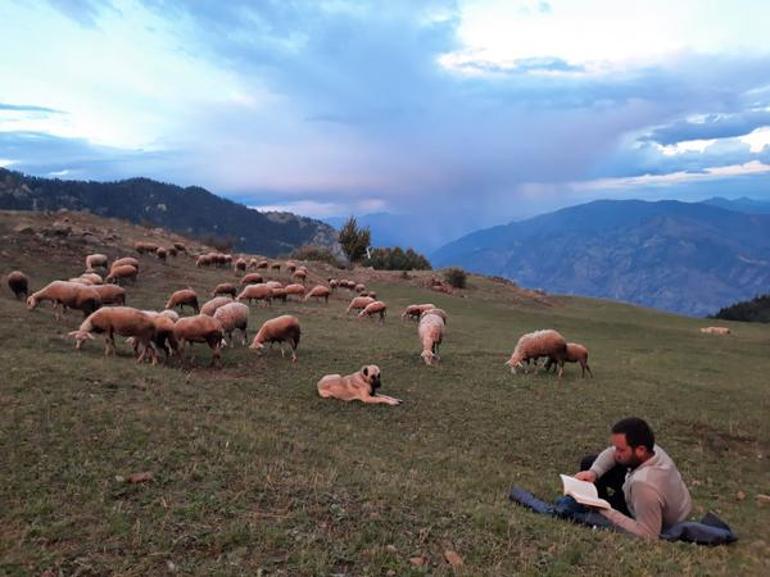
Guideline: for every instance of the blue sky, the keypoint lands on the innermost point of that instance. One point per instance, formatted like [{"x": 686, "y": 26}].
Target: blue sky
[{"x": 478, "y": 111}]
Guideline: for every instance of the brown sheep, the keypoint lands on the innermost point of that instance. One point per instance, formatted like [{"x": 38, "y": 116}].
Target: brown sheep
[
  {"x": 275, "y": 266},
  {"x": 375, "y": 308},
  {"x": 161, "y": 253},
  {"x": 123, "y": 321},
  {"x": 279, "y": 294},
  {"x": 122, "y": 272},
  {"x": 204, "y": 260},
  {"x": 180, "y": 246},
  {"x": 359, "y": 303},
  {"x": 126, "y": 260},
  {"x": 279, "y": 330},
  {"x": 251, "y": 278},
  {"x": 96, "y": 261},
  {"x": 200, "y": 329},
  {"x": 319, "y": 292},
  {"x": 532, "y": 346},
  {"x": 111, "y": 294},
  {"x": 414, "y": 312},
  {"x": 19, "y": 284},
  {"x": 240, "y": 265},
  {"x": 263, "y": 264},
  {"x": 92, "y": 277},
  {"x": 256, "y": 292},
  {"x": 66, "y": 295},
  {"x": 210, "y": 307},
  {"x": 143, "y": 247},
  {"x": 576, "y": 353},
  {"x": 295, "y": 290},
  {"x": 184, "y": 298},
  {"x": 225, "y": 288}
]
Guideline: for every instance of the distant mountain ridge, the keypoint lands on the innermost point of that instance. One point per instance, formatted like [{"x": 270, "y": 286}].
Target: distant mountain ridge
[
  {"x": 691, "y": 258},
  {"x": 743, "y": 204},
  {"x": 193, "y": 211}
]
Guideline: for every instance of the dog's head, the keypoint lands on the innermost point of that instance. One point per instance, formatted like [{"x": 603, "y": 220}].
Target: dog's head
[{"x": 371, "y": 374}]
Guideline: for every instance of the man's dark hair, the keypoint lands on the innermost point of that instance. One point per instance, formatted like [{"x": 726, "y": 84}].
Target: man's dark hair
[{"x": 637, "y": 431}]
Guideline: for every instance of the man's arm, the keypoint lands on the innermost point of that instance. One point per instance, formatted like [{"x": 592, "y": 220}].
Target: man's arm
[
  {"x": 604, "y": 462},
  {"x": 648, "y": 513}
]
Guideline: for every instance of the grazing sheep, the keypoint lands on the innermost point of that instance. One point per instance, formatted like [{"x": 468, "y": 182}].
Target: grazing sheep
[
  {"x": 161, "y": 253},
  {"x": 275, "y": 266},
  {"x": 122, "y": 272},
  {"x": 431, "y": 334},
  {"x": 200, "y": 329},
  {"x": 359, "y": 303},
  {"x": 715, "y": 330},
  {"x": 369, "y": 294},
  {"x": 319, "y": 292},
  {"x": 299, "y": 276},
  {"x": 123, "y": 321},
  {"x": 92, "y": 277},
  {"x": 164, "y": 338},
  {"x": 436, "y": 311},
  {"x": 359, "y": 288},
  {"x": 182, "y": 298},
  {"x": 204, "y": 260},
  {"x": 19, "y": 284},
  {"x": 256, "y": 292},
  {"x": 233, "y": 316},
  {"x": 361, "y": 386},
  {"x": 279, "y": 294},
  {"x": 240, "y": 265},
  {"x": 263, "y": 264},
  {"x": 111, "y": 294},
  {"x": 143, "y": 247},
  {"x": 375, "y": 308},
  {"x": 532, "y": 346},
  {"x": 291, "y": 266},
  {"x": 297, "y": 290},
  {"x": 576, "y": 353},
  {"x": 172, "y": 251},
  {"x": 126, "y": 260},
  {"x": 180, "y": 247},
  {"x": 225, "y": 288},
  {"x": 66, "y": 295},
  {"x": 279, "y": 330},
  {"x": 210, "y": 307},
  {"x": 96, "y": 261},
  {"x": 274, "y": 284},
  {"x": 252, "y": 278},
  {"x": 333, "y": 284},
  {"x": 413, "y": 312}
]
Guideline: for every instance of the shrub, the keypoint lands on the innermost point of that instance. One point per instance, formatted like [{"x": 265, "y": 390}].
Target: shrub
[
  {"x": 354, "y": 240},
  {"x": 456, "y": 277},
  {"x": 756, "y": 310},
  {"x": 397, "y": 259},
  {"x": 315, "y": 253}
]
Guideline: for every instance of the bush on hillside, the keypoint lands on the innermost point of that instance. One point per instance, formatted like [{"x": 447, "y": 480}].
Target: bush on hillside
[
  {"x": 396, "y": 258},
  {"x": 757, "y": 310},
  {"x": 456, "y": 277},
  {"x": 315, "y": 253},
  {"x": 354, "y": 240}
]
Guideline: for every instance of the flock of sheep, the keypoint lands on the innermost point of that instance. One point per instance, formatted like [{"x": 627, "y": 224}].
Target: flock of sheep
[{"x": 98, "y": 295}]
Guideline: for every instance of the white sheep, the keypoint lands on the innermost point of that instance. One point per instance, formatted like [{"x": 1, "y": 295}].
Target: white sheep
[
  {"x": 414, "y": 311},
  {"x": 111, "y": 294},
  {"x": 375, "y": 308},
  {"x": 279, "y": 330},
  {"x": 359, "y": 303},
  {"x": 319, "y": 292},
  {"x": 97, "y": 260},
  {"x": 256, "y": 292},
  {"x": 430, "y": 330},
  {"x": 121, "y": 272},
  {"x": 532, "y": 346},
  {"x": 233, "y": 316}
]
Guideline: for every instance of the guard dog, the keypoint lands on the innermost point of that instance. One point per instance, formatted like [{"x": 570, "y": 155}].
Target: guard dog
[{"x": 361, "y": 386}]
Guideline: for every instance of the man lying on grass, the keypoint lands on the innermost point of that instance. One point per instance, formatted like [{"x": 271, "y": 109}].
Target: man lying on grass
[{"x": 639, "y": 480}]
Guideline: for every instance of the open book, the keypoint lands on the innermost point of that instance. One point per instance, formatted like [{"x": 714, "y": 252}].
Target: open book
[{"x": 583, "y": 492}]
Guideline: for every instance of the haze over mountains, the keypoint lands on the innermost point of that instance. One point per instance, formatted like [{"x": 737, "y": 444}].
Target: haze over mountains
[{"x": 691, "y": 258}]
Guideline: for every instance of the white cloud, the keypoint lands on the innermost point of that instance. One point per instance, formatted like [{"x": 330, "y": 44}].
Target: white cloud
[
  {"x": 6, "y": 162},
  {"x": 758, "y": 139}
]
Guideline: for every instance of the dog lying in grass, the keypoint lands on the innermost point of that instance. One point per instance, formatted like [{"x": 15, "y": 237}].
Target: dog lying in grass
[{"x": 361, "y": 386}]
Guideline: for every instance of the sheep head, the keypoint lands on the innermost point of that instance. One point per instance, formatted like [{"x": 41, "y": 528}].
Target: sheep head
[{"x": 80, "y": 337}]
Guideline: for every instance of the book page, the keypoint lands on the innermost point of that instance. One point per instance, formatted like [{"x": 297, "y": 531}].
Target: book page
[{"x": 583, "y": 492}]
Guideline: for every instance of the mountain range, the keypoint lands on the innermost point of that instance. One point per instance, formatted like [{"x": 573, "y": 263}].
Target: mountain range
[
  {"x": 690, "y": 258},
  {"x": 192, "y": 211}
]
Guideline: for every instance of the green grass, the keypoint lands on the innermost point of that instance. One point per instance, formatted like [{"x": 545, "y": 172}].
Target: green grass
[{"x": 254, "y": 472}]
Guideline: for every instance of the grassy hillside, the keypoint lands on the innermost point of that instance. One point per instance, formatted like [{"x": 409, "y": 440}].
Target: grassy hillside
[{"x": 255, "y": 475}]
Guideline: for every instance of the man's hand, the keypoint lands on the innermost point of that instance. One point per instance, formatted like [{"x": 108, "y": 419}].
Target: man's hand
[{"x": 589, "y": 476}]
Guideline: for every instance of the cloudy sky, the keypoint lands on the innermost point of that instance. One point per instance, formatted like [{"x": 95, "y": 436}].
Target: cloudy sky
[{"x": 481, "y": 110}]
